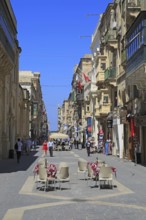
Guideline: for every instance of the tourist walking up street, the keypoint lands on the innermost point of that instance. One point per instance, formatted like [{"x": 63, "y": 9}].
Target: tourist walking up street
[
  {"x": 18, "y": 148},
  {"x": 28, "y": 145},
  {"x": 50, "y": 146},
  {"x": 45, "y": 147},
  {"x": 88, "y": 146}
]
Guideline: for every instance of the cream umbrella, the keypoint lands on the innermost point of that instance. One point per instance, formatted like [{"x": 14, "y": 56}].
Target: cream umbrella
[{"x": 59, "y": 135}]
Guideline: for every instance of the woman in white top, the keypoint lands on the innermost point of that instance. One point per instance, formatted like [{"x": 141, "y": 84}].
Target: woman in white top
[
  {"x": 18, "y": 148},
  {"x": 50, "y": 146}
]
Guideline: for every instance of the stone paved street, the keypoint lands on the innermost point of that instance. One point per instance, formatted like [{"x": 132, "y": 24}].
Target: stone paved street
[{"x": 79, "y": 200}]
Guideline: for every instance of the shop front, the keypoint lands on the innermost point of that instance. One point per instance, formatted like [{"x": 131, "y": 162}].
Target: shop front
[{"x": 140, "y": 122}]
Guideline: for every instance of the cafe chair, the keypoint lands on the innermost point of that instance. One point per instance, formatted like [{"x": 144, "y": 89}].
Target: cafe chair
[
  {"x": 67, "y": 147},
  {"x": 62, "y": 164},
  {"x": 105, "y": 177},
  {"x": 63, "y": 176},
  {"x": 59, "y": 148},
  {"x": 82, "y": 168},
  {"x": 42, "y": 177}
]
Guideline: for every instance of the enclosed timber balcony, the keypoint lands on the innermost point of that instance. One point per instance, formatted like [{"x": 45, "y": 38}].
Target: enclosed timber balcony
[
  {"x": 103, "y": 109},
  {"x": 110, "y": 75},
  {"x": 110, "y": 39}
]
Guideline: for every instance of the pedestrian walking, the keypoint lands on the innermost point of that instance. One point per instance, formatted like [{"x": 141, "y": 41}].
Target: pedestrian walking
[
  {"x": 71, "y": 143},
  {"x": 33, "y": 145},
  {"x": 136, "y": 146},
  {"x": 88, "y": 146},
  {"x": 45, "y": 147},
  {"x": 28, "y": 146},
  {"x": 107, "y": 146},
  {"x": 18, "y": 148},
  {"x": 50, "y": 146}
]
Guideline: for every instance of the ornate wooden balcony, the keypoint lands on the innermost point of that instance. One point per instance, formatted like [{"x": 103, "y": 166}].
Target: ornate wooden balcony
[
  {"x": 105, "y": 108},
  {"x": 123, "y": 57},
  {"x": 88, "y": 114},
  {"x": 99, "y": 77},
  {"x": 100, "y": 69},
  {"x": 79, "y": 97},
  {"x": 102, "y": 109},
  {"x": 110, "y": 74},
  {"x": 110, "y": 39},
  {"x": 133, "y": 4},
  {"x": 133, "y": 7},
  {"x": 97, "y": 113}
]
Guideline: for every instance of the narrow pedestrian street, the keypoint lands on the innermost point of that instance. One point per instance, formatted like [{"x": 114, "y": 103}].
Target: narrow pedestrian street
[{"x": 78, "y": 200}]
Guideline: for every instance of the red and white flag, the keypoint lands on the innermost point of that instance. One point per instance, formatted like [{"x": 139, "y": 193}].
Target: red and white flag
[
  {"x": 86, "y": 78},
  {"x": 79, "y": 85}
]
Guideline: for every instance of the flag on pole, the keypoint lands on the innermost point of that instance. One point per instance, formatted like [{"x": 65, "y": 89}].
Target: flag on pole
[
  {"x": 79, "y": 85},
  {"x": 83, "y": 76},
  {"x": 87, "y": 79}
]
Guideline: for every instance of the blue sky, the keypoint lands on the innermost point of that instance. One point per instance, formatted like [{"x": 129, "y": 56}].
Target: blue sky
[{"x": 49, "y": 33}]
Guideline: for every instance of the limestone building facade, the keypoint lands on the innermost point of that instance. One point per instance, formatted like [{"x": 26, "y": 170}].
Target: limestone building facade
[{"x": 9, "y": 87}]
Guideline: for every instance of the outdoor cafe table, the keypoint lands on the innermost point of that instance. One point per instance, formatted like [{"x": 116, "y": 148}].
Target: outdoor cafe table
[
  {"x": 51, "y": 170},
  {"x": 96, "y": 169}
]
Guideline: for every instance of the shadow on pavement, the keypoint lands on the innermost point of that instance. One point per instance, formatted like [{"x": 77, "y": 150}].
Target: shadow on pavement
[{"x": 11, "y": 165}]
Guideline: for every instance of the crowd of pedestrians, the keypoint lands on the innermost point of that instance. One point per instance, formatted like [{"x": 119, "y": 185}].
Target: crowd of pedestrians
[{"x": 24, "y": 147}]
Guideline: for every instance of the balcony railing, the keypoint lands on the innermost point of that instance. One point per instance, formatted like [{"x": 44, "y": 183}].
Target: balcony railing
[{"x": 110, "y": 73}]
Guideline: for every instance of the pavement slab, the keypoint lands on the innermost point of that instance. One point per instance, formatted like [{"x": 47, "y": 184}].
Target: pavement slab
[{"x": 81, "y": 199}]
